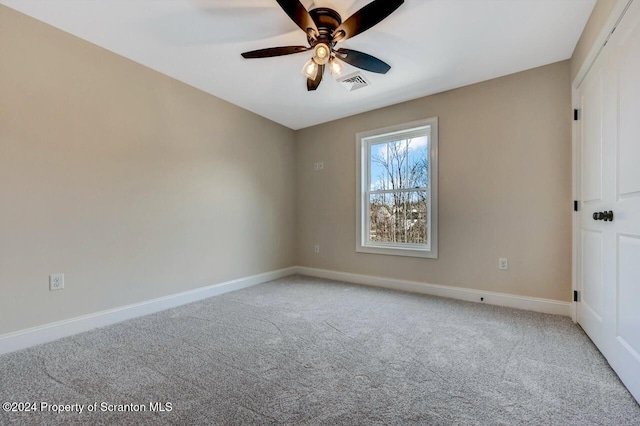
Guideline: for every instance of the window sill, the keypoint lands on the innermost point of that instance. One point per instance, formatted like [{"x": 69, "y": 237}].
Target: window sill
[{"x": 398, "y": 251}]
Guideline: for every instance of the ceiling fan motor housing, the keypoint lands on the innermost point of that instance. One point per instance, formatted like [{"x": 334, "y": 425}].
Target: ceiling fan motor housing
[{"x": 327, "y": 20}]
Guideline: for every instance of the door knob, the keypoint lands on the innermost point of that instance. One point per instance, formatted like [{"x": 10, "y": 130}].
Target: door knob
[{"x": 606, "y": 216}]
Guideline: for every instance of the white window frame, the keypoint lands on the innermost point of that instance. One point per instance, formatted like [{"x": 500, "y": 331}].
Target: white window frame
[{"x": 364, "y": 140}]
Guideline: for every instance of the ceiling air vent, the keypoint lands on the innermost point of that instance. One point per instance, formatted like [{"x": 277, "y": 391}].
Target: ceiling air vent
[{"x": 354, "y": 81}]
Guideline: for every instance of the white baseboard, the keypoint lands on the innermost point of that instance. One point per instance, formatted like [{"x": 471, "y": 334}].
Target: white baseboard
[
  {"x": 21, "y": 339},
  {"x": 546, "y": 306}
]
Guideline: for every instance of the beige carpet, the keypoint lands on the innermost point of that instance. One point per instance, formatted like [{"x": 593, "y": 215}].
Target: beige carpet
[{"x": 309, "y": 351}]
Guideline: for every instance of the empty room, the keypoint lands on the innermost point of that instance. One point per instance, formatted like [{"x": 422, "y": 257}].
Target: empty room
[{"x": 320, "y": 212}]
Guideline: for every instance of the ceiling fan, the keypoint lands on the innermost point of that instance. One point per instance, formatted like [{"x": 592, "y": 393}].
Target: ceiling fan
[{"x": 324, "y": 28}]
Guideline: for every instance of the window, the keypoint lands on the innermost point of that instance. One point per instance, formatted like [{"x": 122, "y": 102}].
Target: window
[{"x": 397, "y": 175}]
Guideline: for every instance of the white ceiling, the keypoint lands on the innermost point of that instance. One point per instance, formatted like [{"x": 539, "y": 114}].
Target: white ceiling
[{"x": 432, "y": 46}]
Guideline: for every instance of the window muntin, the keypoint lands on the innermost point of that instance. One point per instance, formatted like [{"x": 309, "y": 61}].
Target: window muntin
[{"x": 398, "y": 193}]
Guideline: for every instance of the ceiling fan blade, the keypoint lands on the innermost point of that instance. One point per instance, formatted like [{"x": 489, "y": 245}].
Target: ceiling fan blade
[
  {"x": 300, "y": 16},
  {"x": 274, "y": 51},
  {"x": 313, "y": 84},
  {"x": 363, "y": 60},
  {"x": 366, "y": 18}
]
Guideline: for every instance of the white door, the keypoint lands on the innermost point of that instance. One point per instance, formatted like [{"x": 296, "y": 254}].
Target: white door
[
  {"x": 609, "y": 180},
  {"x": 591, "y": 309}
]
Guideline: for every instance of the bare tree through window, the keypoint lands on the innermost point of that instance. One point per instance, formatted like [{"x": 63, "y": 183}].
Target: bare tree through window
[{"x": 398, "y": 191}]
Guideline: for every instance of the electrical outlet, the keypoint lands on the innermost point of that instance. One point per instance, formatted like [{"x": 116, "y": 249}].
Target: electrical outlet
[
  {"x": 318, "y": 166},
  {"x": 56, "y": 282},
  {"x": 316, "y": 249},
  {"x": 503, "y": 263}
]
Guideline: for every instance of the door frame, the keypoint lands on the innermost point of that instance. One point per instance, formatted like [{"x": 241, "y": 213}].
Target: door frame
[{"x": 601, "y": 40}]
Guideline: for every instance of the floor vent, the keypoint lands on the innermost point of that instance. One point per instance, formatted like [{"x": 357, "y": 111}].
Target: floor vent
[{"x": 354, "y": 81}]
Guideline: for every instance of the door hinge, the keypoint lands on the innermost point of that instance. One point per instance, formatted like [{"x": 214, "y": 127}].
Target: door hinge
[
  {"x": 575, "y": 295},
  {"x": 576, "y": 206},
  {"x": 575, "y": 114}
]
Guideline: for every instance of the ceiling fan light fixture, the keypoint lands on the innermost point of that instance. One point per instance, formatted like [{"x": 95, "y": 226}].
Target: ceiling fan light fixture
[
  {"x": 310, "y": 69},
  {"x": 321, "y": 53},
  {"x": 336, "y": 67}
]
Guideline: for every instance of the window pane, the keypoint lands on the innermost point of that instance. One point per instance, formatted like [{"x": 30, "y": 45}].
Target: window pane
[
  {"x": 379, "y": 171},
  {"x": 417, "y": 211},
  {"x": 399, "y": 217},
  {"x": 380, "y": 218},
  {"x": 400, "y": 164},
  {"x": 418, "y": 162}
]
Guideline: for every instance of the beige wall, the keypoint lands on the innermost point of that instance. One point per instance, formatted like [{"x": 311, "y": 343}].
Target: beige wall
[
  {"x": 130, "y": 183},
  {"x": 598, "y": 18},
  {"x": 505, "y": 187}
]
